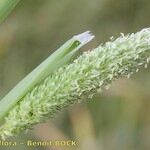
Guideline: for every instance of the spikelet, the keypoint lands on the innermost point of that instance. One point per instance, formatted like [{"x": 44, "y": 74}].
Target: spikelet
[{"x": 92, "y": 71}]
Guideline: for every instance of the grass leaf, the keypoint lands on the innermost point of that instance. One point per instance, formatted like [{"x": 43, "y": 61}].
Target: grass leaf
[{"x": 58, "y": 59}]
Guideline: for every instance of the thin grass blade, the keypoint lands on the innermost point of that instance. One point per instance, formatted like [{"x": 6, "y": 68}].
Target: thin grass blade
[{"x": 59, "y": 58}]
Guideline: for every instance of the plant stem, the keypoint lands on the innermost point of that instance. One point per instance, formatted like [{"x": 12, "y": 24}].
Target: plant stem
[{"x": 59, "y": 58}]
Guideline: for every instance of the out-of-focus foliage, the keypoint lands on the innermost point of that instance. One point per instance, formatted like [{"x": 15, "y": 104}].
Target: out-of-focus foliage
[
  {"x": 6, "y": 6},
  {"x": 116, "y": 119}
]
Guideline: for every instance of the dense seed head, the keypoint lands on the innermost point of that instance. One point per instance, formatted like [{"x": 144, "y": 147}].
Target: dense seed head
[{"x": 92, "y": 71}]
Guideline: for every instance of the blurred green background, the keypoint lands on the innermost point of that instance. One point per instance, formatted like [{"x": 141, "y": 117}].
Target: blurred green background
[{"x": 116, "y": 119}]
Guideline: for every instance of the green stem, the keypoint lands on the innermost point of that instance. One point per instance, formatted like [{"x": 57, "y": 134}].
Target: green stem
[
  {"x": 59, "y": 58},
  {"x": 6, "y": 6}
]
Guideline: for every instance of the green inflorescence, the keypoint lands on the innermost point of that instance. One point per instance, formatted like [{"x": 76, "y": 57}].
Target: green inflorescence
[{"x": 91, "y": 71}]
